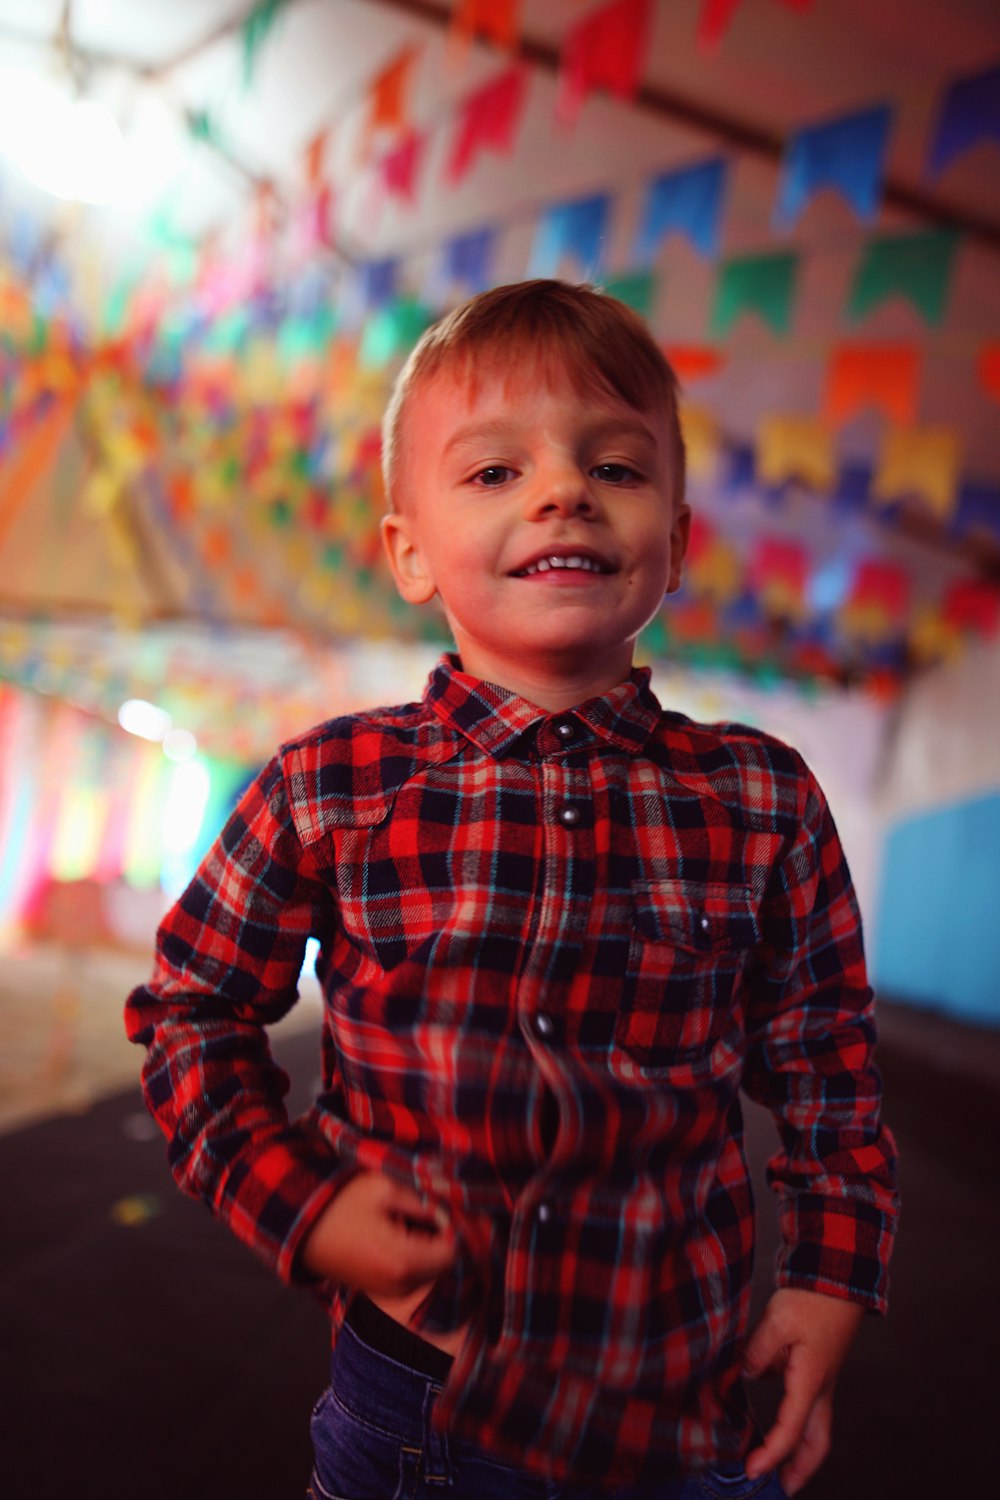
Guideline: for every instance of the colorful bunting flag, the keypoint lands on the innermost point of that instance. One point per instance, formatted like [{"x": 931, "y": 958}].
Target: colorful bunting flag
[
  {"x": 700, "y": 431},
  {"x": 378, "y": 282},
  {"x": 847, "y": 154},
  {"x": 689, "y": 202},
  {"x": 877, "y": 606},
  {"x": 755, "y": 283},
  {"x": 915, "y": 266},
  {"x": 988, "y": 369},
  {"x": 255, "y": 31},
  {"x": 716, "y": 15},
  {"x": 921, "y": 461},
  {"x": 637, "y": 290},
  {"x": 693, "y": 361},
  {"x": 932, "y": 638},
  {"x": 882, "y": 375},
  {"x": 489, "y": 117},
  {"x": 468, "y": 258},
  {"x": 578, "y": 229},
  {"x": 795, "y": 447},
  {"x": 387, "y": 93},
  {"x": 882, "y": 583},
  {"x": 970, "y": 113},
  {"x": 495, "y": 20},
  {"x": 604, "y": 50},
  {"x": 972, "y": 605},
  {"x": 399, "y": 166},
  {"x": 778, "y": 571},
  {"x": 313, "y": 159}
]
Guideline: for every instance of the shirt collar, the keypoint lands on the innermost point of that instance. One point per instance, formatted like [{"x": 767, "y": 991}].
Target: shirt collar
[{"x": 494, "y": 717}]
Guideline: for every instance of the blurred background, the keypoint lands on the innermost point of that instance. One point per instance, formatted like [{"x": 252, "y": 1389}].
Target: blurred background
[{"x": 222, "y": 226}]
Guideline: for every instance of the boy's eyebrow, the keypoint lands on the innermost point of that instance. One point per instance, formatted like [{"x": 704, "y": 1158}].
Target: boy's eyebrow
[{"x": 498, "y": 428}]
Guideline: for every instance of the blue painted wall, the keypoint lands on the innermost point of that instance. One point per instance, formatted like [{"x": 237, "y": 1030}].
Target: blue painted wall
[{"x": 937, "y": 936}]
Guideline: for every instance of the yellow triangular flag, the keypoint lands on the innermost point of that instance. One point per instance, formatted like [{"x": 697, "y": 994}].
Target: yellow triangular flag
[
  {"x": 701, "y": 440},
  {"x": 920, "y": 461},
  {"x": 794, "y": 447}
]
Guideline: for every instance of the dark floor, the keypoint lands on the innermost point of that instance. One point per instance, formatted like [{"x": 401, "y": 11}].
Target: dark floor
[{"x": 152, "y": 1359}]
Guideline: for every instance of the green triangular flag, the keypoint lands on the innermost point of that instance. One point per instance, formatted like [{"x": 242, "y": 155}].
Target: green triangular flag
[
  {"x": 916, "y": 266},
  {"x": 757, "y": 283},
  {"x": 637, "y": 291},
  {"x": 254, "y": 33},
  {"x": 393, "y": 330}
]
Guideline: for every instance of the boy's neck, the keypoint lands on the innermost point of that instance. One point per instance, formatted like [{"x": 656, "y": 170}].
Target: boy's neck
[{"x": 555, "y": 691}]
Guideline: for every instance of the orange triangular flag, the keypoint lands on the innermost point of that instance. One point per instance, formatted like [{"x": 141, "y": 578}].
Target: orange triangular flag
[
  {"x": 496, "y": 20},
  {"x": 693, "y": 361},
  {"x": 387, "y": 93},
  {"x": 884, "y": 375}
]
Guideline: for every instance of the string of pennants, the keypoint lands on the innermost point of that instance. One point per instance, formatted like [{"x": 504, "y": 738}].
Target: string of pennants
[{"x": 241, "y": 401}]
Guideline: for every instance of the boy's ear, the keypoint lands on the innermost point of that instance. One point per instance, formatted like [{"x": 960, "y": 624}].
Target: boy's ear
[
  {"x": 409, "y": 568},
  {"x": 680, "y": 533}
]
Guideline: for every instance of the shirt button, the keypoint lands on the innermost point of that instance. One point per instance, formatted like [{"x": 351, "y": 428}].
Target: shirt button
[
  {"x": 565, "y": 730},
  {"x": 544, "y": 1212},
  {"x": 705, "y": 922},
  {"x": 569, "y": 816},
  {"x": 543, "y": 1024}
]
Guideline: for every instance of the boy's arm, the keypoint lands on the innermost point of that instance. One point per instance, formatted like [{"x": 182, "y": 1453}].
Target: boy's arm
[
  {"x": 228, "y": 960},
  {"x": 810, "y": 1027}
]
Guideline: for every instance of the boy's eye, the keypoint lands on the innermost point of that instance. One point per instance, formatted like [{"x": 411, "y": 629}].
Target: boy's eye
[
  {"x": 615, "y": 473},
  {"x": 493, "y": 475}
]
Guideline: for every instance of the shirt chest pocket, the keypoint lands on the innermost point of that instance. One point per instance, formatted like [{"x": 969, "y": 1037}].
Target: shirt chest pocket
[{"x": 689, "y": 943}]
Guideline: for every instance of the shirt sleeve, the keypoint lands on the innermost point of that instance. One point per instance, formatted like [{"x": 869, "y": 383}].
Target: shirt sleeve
[
  {"x": 228, "y": 958},
  {"x": 811, "y": 1034}
]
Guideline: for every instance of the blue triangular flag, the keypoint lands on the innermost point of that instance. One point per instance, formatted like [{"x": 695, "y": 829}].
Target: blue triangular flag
[
  {"x": 970, "y": 112},
  {"x": 468, "y": 258},
  {"x": 578, "y": 229},
  {"x": 848, "y": 153},
  {"x": 378, "y": 282},
  {"x": 685, "y": 202}
]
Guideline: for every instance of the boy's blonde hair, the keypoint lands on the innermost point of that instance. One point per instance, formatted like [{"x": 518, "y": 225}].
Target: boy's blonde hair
[{"x": 551, "y": 326}]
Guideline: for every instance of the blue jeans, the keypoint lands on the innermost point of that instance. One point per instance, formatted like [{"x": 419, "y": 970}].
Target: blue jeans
[{"x": 372, "y": 1440}]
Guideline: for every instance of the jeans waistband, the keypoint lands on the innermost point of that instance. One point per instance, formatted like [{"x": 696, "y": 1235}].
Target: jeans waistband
[{"x": 377, "y": 1372}]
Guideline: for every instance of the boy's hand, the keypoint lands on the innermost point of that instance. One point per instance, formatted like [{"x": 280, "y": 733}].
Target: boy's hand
[
  {"x": 380, "y": 1237},
  {"x": 805, "y": 1336}
]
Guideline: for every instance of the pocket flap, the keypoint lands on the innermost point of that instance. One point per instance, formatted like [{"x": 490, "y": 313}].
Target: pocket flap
[{"x": 700, "y": 917}]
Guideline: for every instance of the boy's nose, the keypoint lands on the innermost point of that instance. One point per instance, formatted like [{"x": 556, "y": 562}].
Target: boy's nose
[{"x": 563, "y": 492}]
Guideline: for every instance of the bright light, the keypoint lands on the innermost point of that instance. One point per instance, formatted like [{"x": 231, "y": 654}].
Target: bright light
[
  {"x": 70, "y": 147},
  {"x": 180, "y": 745},
  {"x": 185, "y": 806},
  {"x": 144, "y": 719}
]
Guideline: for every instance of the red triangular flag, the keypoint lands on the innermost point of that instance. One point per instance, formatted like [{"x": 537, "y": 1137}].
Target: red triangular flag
[
  {"x": 488, "y": 117},
  {"x": 606, "y": 50},
  {"x": 399, "y": 166},
  {"x": 494, "y": 19}
]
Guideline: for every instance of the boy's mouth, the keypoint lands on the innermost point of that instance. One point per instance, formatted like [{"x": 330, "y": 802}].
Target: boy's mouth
[{"x": 584, "y": 562}]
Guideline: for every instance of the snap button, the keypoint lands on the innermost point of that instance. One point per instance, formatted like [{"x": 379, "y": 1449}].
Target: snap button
[
  {"x": 566, "y": 730},
  {"x": 569, "y": 816},
  {"x": 543, "y": 1024},
  {"x": 544, "y": 1212},
  {"x": 705, "y": 922}
]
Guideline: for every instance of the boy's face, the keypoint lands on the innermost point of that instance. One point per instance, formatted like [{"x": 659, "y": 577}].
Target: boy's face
[{"x": 543, "y": 519}]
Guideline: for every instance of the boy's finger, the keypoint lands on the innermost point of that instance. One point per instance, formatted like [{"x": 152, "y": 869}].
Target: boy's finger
[
  {"x": 786, "y": 1433},
  {"x": 813, "y": 1447}
]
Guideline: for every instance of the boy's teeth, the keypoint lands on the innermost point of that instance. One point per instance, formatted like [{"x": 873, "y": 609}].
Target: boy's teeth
[{"x": 545, "y": 563}]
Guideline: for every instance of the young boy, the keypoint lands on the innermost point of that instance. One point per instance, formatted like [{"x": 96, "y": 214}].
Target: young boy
[{"x": 560, "y": 929}]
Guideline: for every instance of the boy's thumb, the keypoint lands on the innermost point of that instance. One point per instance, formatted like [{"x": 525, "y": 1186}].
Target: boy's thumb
[{"x": 759, "y": 1352}]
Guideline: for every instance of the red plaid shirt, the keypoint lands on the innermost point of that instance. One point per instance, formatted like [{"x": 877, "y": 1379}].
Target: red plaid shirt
[{"x": 553, "y": 949}]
